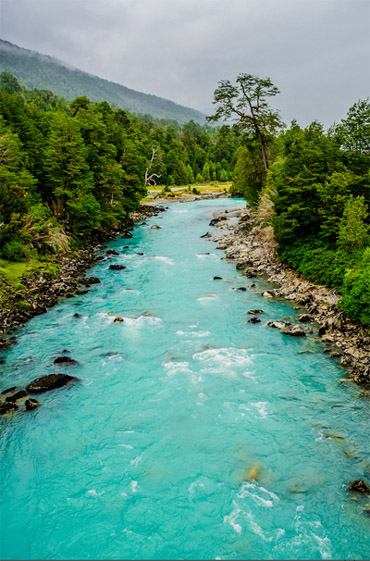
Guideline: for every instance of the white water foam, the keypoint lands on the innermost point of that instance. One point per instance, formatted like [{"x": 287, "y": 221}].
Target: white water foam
[
  {"x": 142, "y": 320},
  {"x": 166, "y": 260},
  {"x": 208, "y": 298},
  {"x": 194, "y": 333},
  {"x": 229, "y": 361}
]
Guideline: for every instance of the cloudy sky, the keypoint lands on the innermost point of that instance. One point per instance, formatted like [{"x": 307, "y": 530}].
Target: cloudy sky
[{"x": 316, "y": 51}]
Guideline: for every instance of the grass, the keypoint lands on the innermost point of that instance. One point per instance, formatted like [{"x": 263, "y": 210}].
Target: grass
[{"x": 13, "y": 271}]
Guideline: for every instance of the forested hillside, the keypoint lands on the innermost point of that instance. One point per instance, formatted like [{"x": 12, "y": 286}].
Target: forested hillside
[
  {"x": 70, "y": 170},
  {"x": 313, "y": 189},
  {"x": 35, "y": 70}
]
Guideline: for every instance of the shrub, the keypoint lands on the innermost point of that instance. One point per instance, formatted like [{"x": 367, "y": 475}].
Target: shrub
[
  {"x": 13, "y": 251},
  {"x": 356, "y": 293}
]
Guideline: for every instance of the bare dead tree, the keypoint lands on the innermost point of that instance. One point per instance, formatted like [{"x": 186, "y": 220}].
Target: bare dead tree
[{"x": 150, "y": 180}]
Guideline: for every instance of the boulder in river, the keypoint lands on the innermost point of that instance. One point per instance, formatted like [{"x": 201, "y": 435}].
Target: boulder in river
[
  {"x": 127, "y": 235},
  {"x": 30, "y": 404},
  {"x": 91, "y": 280},
  {"x": 254, "y": 319},
  {"x": 118, "y": 319},
  {"x": 111, "y": 252},
  {"x": 278, "y": 324},
  {"x": 359, "y": 486},
  {"x": 155, "y": 227},
  {"x": 295, "y": 331},
  {"x": 77, "y": 315},
  {"x": 207, "y": 235},
  {"x": 67, "y": 360},
  {"x": 50, "y": 382},
  {"x": 241, "y": 288},
  {"x": 7, "y": 407},
  {"x": 217, "y": 278},
  {"x": 255, "y": 312},
  {"x": 117, "y": 267}
]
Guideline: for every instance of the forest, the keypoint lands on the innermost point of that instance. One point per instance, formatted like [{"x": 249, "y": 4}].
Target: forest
[{"x": 72, "y": 169}]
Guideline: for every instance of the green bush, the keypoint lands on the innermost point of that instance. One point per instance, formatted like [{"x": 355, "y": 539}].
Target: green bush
[
  {"x": 356, "y": 293},
  {"x": 13, "y": 251}
]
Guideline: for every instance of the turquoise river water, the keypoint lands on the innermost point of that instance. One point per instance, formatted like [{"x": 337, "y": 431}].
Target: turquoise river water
[{"x": 148, "y": 456}]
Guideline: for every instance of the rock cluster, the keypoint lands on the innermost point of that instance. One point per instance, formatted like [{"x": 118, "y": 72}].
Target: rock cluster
[{"x": 254, "y": 250}]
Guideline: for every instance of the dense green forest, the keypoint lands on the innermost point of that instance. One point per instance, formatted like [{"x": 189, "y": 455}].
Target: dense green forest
[
  {"x": 313, "y": 188},
  {"x": 35, "y": 70},
  {"x": 71, "y": 169}
]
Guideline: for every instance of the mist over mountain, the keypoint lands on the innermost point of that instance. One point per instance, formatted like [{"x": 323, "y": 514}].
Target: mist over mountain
[{"x": 36, "y": 70}]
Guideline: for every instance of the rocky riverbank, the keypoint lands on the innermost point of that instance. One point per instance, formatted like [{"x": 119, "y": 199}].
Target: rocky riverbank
[
  {"x": 254, "y": 250},
  {"x": 41, "y": 289}
]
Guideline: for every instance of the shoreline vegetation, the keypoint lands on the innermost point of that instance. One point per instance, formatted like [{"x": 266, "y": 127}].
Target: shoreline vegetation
[{"x": 73, "y": 176}]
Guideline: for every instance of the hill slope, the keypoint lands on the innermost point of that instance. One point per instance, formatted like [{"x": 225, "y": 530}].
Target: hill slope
[{"x": 35, "y": 70}]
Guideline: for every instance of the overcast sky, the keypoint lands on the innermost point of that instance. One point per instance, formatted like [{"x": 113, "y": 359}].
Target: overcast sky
[{"x": 316, "y": 51}]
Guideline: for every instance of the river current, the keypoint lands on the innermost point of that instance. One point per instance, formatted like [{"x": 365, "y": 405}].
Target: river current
[{"x": 152, "y": 454}]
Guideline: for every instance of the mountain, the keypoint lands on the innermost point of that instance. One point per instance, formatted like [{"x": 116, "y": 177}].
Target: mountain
[{"x": 35, "y": 70}]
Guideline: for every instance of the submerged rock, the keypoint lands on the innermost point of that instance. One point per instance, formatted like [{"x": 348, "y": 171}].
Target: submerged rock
[
  {"x": 359, "y": 486},
  {"x": 254, "y": 319},
  {"x": 91, "y": 280},
  {"x": 254, "y": 473},
  {"x": 295, "y": 331},
  {"x": 50, "y": 382},
  {"x": 77, "y": 315},
  {"x": 13, "y": 394},
  {"x": 65, "y": 360},
  {"x": 117, "y": 267},
  {"x": 127, "y": 235},
  {"x": 30, "y": 404}
]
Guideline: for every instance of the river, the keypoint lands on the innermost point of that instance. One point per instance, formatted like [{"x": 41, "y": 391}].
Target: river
[{"x": 152, "y": 454}]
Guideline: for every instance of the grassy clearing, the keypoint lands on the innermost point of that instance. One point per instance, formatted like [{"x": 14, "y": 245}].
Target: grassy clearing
[{"x": 12, "y": 271}]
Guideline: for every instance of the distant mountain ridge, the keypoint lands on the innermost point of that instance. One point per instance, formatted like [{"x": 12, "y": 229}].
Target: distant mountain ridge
[{"x": 35, "y": 70}]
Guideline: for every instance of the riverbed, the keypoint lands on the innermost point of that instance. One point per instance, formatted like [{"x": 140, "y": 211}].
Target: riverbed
[{"x": 192, "y": 434}]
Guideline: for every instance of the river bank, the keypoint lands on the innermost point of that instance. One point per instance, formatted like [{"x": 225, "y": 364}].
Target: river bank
[
  {"x": 42, "y": 289},
  {"x": 254, "y": 250}
]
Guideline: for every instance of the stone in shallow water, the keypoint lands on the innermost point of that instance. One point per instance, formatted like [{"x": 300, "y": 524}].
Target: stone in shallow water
[
  {"x": 278, "y": 324},
  {"x": 30, "y": 404},
  {"x": 254, "y": 319},
  {"x": 112, "y": 252},
  {"x": 155, "y": 227},
  {"x": 217, "y": 278},
  {"x": 255, "y": 312},
  {"x": 295, "y": 331},
  {"x": 7, "y": 407},
  {"x": 67, "y": 360},
  {"x": 359, "y": 486},
  {"x": 207, "y": 235},
  {"x": 117, "y": 267},
  {"x": 118, "y": 319},
  {"x": 50, "y": 382}
]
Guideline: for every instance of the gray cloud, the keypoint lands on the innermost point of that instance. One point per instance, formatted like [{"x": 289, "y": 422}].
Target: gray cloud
[{"x": 316, "y": 51}]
